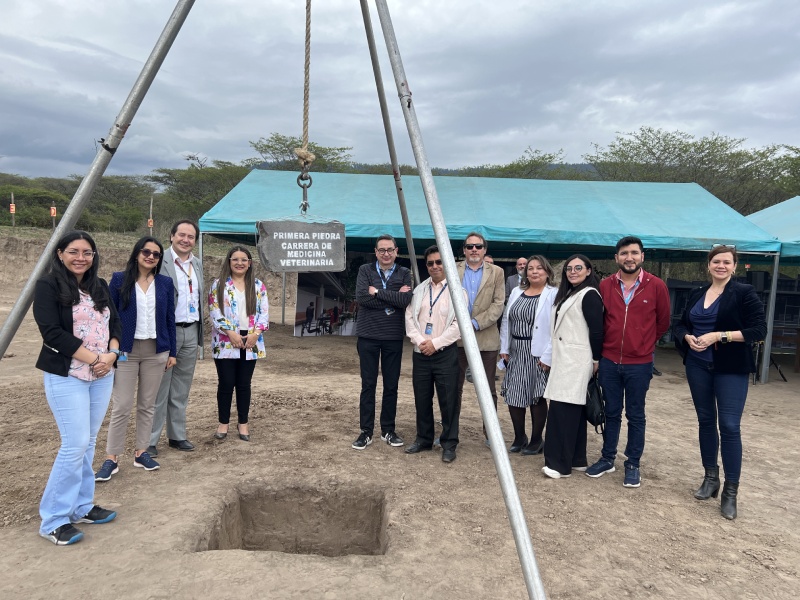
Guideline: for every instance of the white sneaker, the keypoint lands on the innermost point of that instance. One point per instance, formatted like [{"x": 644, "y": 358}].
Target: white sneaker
[{"x": 552, "y": 473}]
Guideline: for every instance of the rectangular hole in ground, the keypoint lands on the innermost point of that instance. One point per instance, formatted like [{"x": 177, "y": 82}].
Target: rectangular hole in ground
[{"x": 334, "y": 521}]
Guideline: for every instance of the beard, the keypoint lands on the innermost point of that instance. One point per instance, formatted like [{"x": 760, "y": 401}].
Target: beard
[{"x": 630, "y": 270}]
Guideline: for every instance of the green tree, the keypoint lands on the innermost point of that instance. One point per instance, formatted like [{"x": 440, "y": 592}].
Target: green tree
[
  {"x": 32, "y": 205},
  {"x": 189, "y": 193},
  {"x": 533, "y": 164},
  {"x": 278, "y": 152},
  {"x": 744, "y": 178},
  {"x": 789, "y": 167}
]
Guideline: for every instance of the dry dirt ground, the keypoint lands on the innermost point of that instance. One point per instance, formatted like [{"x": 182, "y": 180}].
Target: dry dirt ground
[{"x": 297, "y": 497}]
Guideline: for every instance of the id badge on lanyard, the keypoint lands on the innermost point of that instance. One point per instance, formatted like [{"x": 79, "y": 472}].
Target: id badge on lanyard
[
  {"x": 390, "y": 309},
  {"x": 192, "y": 307}
]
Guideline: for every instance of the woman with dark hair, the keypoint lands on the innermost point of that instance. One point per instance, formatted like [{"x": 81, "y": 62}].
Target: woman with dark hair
[
  {"x": 145, "y": 302},
  {"x": 239, "y": 312},
  {"x": 577, "y": 337},
  {"x": 80, "y": 333},
  {"x": 715, "y": 336},
  {"x": 524, "y": 344}
]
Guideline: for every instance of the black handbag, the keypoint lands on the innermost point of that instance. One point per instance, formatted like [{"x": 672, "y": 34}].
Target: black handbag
[{"x": 595, "y": 405}]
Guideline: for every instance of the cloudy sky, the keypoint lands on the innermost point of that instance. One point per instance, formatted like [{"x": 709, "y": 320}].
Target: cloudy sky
[{"x": 489, "y": 77}]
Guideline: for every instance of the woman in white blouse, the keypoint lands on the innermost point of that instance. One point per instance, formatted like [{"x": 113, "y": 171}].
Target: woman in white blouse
[
  {"x": 239, "y": 313},
  {"x": 145, "y": 302}
]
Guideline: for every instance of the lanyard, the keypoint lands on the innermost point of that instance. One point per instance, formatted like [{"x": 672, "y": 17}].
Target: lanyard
[
  {"x": 432, "y": 301},
  {"x": 188, "y": 275},
  {"x": 385, "y": 280},
  {"x": 627, "y": 297}
]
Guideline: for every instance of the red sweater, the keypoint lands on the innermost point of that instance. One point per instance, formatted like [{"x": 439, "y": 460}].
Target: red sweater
[{"x": 631, "y": 332}]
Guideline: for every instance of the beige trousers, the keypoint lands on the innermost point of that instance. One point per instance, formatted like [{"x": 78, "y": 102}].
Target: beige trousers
[{"x": 145, "y": 367}]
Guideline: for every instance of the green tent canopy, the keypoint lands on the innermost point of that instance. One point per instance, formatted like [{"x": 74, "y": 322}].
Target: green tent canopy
[
  {"x": 783, "y": 221},
  {"x": 554, "y": 218}
]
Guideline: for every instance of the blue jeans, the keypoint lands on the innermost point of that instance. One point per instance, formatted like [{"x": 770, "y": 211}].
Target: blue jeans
[
  {"x": 718, "y": 395},
  {"x": 630, "y": 382},
  {"x": 79, "y": 408}
]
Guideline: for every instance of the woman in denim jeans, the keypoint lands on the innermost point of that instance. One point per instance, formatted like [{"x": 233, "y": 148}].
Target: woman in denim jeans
[
  {"x": 80, "y": 331},
  {"x": 715, "y": 336}
]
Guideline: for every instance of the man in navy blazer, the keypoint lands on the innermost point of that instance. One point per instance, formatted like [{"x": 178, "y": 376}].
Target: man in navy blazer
[{"x": 186, "y": 271}]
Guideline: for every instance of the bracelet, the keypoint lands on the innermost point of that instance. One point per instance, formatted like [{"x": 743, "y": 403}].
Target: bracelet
[{"x": 96, "y": 360}]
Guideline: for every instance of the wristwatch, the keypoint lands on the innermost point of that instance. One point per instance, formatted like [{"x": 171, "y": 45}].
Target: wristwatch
[{"x": 724, "y": 337}]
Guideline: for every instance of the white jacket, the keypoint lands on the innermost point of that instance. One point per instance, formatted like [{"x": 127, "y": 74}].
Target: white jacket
[
  {"x": 541, "y": 344},
  {"x": 571, "y": 366}
]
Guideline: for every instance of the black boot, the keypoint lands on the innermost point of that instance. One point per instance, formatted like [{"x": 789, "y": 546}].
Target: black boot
[
  {"x": 728, "y": 505},
  {"x": 710, "y": 486}
]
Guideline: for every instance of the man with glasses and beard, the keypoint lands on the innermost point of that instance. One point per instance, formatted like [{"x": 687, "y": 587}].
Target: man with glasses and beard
[
  {"x": 485, "y": 287},
  {"x": 383, "y": 291},
  {"x": 637, "y": 314}
]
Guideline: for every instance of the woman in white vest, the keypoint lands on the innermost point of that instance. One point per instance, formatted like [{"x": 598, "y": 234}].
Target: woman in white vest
[{"x": 577, "y": 339}]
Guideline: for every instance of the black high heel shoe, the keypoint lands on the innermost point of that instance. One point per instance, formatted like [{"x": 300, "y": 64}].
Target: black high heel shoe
[
  {"x": 242, "y": 436},
  {"x": 710, "y": 486},
  {"x": 517, "y": 447},
  {"x": 219, "y": 435}
]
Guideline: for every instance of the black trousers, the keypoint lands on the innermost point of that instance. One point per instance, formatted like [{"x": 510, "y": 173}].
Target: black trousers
[
  {"x": 565, "y": 442},
  {"x": 439, "y": 371},
  {"x": 234, "y": 373},
  {"x": 386, "y": 354},
  {"x": 489, "y": 359}
]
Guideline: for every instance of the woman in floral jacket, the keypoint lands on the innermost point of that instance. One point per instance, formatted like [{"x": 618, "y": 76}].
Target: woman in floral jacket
[{"x": 239, "y": 312}]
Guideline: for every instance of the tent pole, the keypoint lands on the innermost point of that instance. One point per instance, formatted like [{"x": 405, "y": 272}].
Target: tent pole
[
  {"x": 202, "y": 262},
  {"x": 283, "y": 305},
  {"x": 773, "y": 293},
  {"x": 387, "y": 126},
  {"x": 105, "y": 153},
  {"x": 516, "y": 516}
]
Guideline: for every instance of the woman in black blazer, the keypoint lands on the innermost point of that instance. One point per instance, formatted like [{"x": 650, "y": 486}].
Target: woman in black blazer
[
  {"x": 81, "y": 331},
  {"x": 715, "y": 336},
  {"x": 145, "y": 301}
]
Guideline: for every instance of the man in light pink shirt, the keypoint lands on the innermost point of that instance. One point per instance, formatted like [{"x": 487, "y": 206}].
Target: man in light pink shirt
[{"x": 431, "y": 325}]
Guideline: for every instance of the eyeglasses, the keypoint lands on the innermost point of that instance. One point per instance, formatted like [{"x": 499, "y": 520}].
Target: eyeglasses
[
  {"x": 148, "y": 253},
  {"x": 576, "y": 269},
  {"x": 473, "y": 246},
  {"x": 430, "y": 263},
  {"x": 732, "y": 246},
  {"x": 383, "y": 251},
  {"x": 87, "y": 254}
]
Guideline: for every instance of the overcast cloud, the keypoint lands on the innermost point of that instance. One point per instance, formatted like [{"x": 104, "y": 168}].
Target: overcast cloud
[{"x": 489, "y": 78}]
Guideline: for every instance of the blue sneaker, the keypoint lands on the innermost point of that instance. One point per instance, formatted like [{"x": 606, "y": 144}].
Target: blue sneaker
[
  {"x": 144, "y": 461},
  {"x": 601, "y": 467},
  {"x": 64, "y": 535},
  {"x": 108, "y": 469},
  {"x": 98, "y": 516},
  {"x": 632, "y": 478}
]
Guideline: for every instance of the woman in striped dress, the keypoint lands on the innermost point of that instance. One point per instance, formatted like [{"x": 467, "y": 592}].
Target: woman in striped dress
[{"x": 524, "y": 341}]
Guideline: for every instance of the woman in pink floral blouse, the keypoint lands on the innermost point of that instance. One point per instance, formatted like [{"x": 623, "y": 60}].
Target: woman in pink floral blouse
[
  {"x": 80, "y": 344},
  {"x": 239, "y": 313}
]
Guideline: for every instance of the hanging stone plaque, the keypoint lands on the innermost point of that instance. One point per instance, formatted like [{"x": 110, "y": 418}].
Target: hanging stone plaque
[{"x": 301, "y": 246}]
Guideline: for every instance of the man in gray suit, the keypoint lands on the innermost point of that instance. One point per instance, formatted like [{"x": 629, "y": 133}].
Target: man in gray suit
[
  {"x": 513, "y": 280},
  {"x": 186, "y": 271}
]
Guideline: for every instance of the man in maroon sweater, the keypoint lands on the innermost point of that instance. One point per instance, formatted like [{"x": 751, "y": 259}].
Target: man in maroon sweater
[{"x": 637, "y": 314}]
